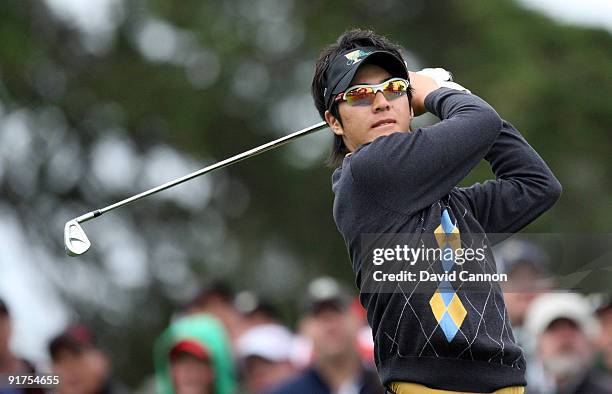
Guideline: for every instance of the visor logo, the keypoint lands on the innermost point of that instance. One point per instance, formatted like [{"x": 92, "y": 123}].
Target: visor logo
[{"x": 356, "y": 56}]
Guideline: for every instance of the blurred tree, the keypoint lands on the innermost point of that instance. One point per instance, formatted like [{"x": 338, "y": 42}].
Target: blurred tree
[{"x": 92, "y": 116}]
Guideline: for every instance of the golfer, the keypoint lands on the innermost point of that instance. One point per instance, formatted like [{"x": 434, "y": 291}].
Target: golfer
[{"x": 391, "y": 179}]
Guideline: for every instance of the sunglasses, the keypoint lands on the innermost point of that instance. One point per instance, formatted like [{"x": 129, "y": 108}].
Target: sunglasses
[{"x": 365, "y": 94}]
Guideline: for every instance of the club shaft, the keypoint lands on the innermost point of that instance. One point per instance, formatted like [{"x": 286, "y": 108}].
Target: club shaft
[{"x": 223, "y": 163}]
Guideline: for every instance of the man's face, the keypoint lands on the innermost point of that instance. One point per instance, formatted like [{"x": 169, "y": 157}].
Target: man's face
[
  {"x": 190, "y": 375},
  {"x": 522, "y": 288},
  {"x": 261, "y": 374},
  {"x": 362, "y": 124},
  {"x": 81, "y": 372},
  {"x": 564, "y": 350},
  {"x": 333, "y": 333},
  {"x": 5, "y": 334},
  {"x": 605, "y": 337}
]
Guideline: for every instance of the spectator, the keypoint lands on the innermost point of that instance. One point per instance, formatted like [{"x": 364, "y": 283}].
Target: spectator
[
  {"x": 564, "y": 327},
  {"x": 365, "y": 341},
  {"x": 193, "y": 357},
  {"x": 336, "y": 364},
  {"x": 9, "y": 363},
  {"x": 81, "y": 364},
  {"x": 527, "y": 267},
  {"x": 264, "y": 352},
  {"x": 256, "y": 311},
  {"x": 216, "y": 298},
  {"x": 604, "y": 342}
]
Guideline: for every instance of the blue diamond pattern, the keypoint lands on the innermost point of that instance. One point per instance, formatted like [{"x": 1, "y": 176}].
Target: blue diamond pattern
[
  {"x": 448, "y": 326},
  {"x": 447, "y": 263},
  {"x": 445, "y": 288}
]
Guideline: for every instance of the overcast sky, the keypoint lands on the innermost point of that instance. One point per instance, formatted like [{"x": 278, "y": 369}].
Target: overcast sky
[{"x": 597, "y": 13}]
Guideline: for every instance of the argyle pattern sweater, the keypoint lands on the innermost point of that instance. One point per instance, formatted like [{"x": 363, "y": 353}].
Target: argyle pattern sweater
[{"x": 446, "y": 338}]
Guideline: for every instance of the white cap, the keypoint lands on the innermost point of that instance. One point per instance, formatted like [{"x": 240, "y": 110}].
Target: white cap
[
  {"x": 270, "y": 341},
  {"x": 549, "y": 307}
]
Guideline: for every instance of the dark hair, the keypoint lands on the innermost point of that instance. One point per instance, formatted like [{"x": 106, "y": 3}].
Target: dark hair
[
  {"x": 74, "y": 338},
  {"x": 348, "y": 40},
  {"x": 4, "y": 311},
  {"x": 214, "y": 289}
]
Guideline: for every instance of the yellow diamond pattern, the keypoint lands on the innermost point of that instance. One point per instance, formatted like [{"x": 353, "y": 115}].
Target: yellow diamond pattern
[
  {"x": 452, "y": 316},
  {"x": 437, "y": 306},
  {"x": 453, "y": 239},
  {"x": 456, "y": 310}
]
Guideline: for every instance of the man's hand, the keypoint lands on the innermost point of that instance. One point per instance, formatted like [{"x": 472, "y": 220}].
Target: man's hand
[
  {"x": 421, "y": 82},
  {"x": 422, "y": 85}
]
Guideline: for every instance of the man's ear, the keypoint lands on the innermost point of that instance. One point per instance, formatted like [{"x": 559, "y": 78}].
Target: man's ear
[{"x": 334, "y": 123}]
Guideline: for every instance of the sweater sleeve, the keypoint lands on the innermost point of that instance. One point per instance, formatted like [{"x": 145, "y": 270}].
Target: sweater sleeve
[
  {"x": 408, "y": 171},
  {"x": 524, "y": 187}
]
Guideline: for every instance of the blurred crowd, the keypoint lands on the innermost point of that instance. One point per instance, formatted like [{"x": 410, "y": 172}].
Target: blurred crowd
[
  {"x": 566, "y": 337},
  {"x": 221, "y": 342}
]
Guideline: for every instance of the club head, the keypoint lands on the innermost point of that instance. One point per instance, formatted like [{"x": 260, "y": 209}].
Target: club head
[{"x": 75, "y": 239}]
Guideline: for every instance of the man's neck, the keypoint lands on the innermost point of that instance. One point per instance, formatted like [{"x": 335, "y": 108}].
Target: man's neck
[{"x": 339, "y": 370}]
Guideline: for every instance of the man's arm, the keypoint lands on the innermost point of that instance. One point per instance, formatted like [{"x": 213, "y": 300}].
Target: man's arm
[
  {"x": 524, "y": 187},
  {"x": 409, "y": 171},
  {"x": 421, "y": 85}
]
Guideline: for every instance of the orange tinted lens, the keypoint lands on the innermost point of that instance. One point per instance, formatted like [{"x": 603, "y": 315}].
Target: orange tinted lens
[
  {"x": 360, "y": 95},
  {"x": 397, "y": 87}
]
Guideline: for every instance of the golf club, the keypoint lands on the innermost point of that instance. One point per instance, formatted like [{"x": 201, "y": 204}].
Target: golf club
[{"x": 75, "y": 239}]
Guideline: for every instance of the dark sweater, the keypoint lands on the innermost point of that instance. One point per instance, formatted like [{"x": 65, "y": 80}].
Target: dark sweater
[{"x": 401, "y": 183}]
